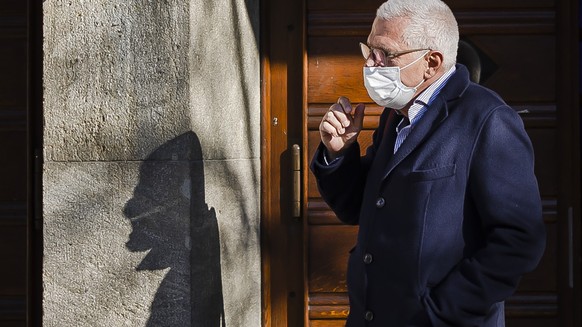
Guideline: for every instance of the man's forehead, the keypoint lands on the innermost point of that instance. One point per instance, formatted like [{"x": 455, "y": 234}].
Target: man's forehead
[{"x": 386, "y": 33}]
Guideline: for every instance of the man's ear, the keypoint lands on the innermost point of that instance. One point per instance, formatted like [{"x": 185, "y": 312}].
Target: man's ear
[{"x": 435, "y": 61}]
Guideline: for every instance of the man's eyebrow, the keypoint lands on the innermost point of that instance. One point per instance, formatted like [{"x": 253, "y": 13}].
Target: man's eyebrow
[{"x": 387, "y": 52}]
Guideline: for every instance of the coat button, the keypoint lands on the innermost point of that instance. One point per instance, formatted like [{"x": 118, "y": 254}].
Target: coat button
[
  {"x": 380, "y": 202},
  {"x": 368, "y": 258},
  {"x": 369, "y": 315}
]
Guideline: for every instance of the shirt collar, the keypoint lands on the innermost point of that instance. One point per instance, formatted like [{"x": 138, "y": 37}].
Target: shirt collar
[{"x": 427, "y": 96}]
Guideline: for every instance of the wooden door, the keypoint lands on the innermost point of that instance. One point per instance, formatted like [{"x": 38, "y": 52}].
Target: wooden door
[
  {"x": 311, "y": 56},
  {"x": 20, "y": 139},
  {"x": 13, "y": 162}
]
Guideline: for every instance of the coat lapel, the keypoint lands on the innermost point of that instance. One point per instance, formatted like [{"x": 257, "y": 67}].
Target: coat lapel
[
  {"x": 389, "y": 133},
  {"x": 435, "y": 114},
  {"x": 388, "y": 138}
]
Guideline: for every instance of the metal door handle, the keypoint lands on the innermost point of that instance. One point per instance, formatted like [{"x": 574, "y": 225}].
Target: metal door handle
[{"x": 296, "y": 180}]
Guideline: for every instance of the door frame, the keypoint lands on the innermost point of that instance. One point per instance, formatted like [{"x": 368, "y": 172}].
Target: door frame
[
  {"x": 282, "y": 52},
  {"x": 34, "y": 161},
  {"x": 569, "y": 184}
]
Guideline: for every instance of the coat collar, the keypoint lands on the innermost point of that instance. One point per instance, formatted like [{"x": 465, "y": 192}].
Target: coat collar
[
  {"x": 457, "y": 84},
  {"x": 436, "y": 113}
]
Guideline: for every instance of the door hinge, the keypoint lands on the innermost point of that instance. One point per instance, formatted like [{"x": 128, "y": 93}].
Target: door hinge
[{"x": 296, "y": 181}]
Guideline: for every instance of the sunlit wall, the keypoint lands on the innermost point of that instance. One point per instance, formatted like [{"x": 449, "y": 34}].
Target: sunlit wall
[{"x": 151, "y": 163}]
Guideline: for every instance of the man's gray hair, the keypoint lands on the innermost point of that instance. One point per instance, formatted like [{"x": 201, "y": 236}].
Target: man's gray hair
[{"x": 431, "y": 24}]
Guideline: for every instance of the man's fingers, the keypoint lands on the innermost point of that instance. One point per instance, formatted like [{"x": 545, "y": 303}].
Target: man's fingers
[
  {"x": 359, "y": 116},
  {"x": 339, "y": 113},
  {"x": 345, "y": 104},
  {"x": 338, "y": 120},
  {"x": 328, "y": 128}
]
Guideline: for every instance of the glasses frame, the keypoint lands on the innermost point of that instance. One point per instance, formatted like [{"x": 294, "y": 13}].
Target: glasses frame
[{"x": 367, "y": 51}]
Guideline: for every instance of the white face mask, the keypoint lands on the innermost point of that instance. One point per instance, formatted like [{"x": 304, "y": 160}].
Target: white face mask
[{"x": 386, "y": 88}]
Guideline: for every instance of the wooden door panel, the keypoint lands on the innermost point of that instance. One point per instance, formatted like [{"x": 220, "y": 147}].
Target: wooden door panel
[
  {"x": 546, "y": 166},
  {"x": 328, "y": 306},
  {"x": 371, "y": 5},
  {"x": 479, "y": 5},
  {"x": 533, "y": 322},
  {"x": 328, "y": 323},
  {"x": 366, "y": 6},
  {"x": 325, "y": 80},
  {"x": 13, "y": 161},
  {"x": 524, "y": 66},
  {"x": 328, "y": 255},
  {"x": 13, "y": 259}
]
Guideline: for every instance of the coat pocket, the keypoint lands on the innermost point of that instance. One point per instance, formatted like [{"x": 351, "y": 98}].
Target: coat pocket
[{"x": 433, "y": 173}]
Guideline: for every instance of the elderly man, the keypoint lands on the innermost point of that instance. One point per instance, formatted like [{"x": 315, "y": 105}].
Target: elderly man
[{"x": 446, "y": 200}]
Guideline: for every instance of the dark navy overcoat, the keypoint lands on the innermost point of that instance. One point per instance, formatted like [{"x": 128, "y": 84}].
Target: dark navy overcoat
[{"x": 448, "y": 224}]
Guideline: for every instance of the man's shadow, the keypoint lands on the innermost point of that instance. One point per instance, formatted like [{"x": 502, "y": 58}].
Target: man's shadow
[{"x": 171, "y": 221}]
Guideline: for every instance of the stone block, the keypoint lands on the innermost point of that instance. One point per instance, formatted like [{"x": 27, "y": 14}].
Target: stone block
[
  {"x": 122, "y": 77},
  {"x": 171, "y": 240}
]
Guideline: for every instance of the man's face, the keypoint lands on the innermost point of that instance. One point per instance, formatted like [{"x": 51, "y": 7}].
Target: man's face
[{"x": 386, "y": 36}]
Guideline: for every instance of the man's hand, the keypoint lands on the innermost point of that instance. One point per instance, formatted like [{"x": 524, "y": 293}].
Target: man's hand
[{"x": 340, "y": 126}]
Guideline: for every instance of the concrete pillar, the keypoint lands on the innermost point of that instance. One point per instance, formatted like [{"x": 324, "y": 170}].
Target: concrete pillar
[{"x": 151, "y": 163}]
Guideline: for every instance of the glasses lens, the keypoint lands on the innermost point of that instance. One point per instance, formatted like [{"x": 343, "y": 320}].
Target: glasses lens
[{"x": 365, "y": 50}]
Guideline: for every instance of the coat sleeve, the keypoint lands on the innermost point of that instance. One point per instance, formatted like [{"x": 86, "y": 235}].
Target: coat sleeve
[
  {"x": 505, "y": 193},
  {"x": 341, "y": 184}
]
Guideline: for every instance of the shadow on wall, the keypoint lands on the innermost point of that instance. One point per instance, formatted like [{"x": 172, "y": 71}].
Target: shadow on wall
[{"x": 171, "y": 220}]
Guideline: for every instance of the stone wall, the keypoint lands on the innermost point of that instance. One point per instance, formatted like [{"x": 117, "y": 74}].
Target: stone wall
[{"x": 151, "y": 163}]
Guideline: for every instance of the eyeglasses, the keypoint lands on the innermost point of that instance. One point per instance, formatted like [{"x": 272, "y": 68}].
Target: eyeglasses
[{"x": 367, "y": 51}]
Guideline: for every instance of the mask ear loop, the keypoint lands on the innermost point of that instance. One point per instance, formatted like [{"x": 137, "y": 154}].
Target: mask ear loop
[
  {"x": 417, "y": 59},
  {"x": 417, "y": 85}
]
